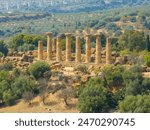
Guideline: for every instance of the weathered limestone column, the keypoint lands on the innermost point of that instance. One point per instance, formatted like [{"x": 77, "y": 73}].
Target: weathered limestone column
[
  {"x": 98, "y": 48},
  {"x": 78, "y": 49},
  {"x": 108, "y": 51},
  {"x": 40, "y": 50},
  {"x": 49, "y": 45},
  {"x": 68, "y": 47},
  {"x": 54, "y": 45},
  {"x": 58, "y": 49},
  {"x": 88, "y": 48}
]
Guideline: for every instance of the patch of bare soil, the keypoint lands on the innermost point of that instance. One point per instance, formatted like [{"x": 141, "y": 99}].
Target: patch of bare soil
[{"x": 146, "y": 75}]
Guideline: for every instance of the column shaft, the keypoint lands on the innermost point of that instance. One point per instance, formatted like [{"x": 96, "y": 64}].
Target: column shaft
[
  {"x": 40, "y": 50},
  {"x": 88, "y": 48},
  {"x": 54, "y": 45},
  {"x": 108, "y": 51},
  {"x": 98, "y": 49},
  {"x": 78, "y": 49},
  {"x": 58, "y": 49},
  {"x": 49, "y": 46},
  {"x": 68, "y": 47}
]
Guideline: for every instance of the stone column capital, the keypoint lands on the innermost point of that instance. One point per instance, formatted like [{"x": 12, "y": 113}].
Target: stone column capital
[
  {"x": 58, "y": 36},
  {"x": 68, "y": 34},
  {"x": 88, "y": 35},
  {"x": 49, "y": 33},
  {"x": 98, "y": 34}
]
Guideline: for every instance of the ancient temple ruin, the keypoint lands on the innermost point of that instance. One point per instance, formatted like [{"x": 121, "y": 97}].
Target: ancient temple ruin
[{"x": 54, "y": 45}]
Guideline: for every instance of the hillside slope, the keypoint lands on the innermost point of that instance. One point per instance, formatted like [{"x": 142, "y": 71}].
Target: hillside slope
[{"x": 66, "y": 5}]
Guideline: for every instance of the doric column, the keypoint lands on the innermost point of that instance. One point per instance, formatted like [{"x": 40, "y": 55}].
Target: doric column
[
  {"x": 68, "y": 47},
  {"x": 58, "y": 49},
  {"x": 40, "y": 50},
  {"x": 88, "y": 48},
  {"x": 108, "y": 51},
  {"x": 49, "y": 45},
  {"x": 78, "y": 49},
  {"x": 98, "y": 49},
  {"x": 54, "y": 45}
]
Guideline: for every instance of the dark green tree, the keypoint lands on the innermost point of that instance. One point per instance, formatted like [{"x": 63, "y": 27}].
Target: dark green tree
[
  {"x": 132, "y": 40},
  {"x": 95, "y": 98},
  {"x": 38, "y": 69},
  {"x": 3, "y": 48},
  {"x": 135, "y": 104}
]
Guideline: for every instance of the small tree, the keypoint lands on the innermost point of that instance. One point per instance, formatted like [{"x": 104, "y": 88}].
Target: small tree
[
  {"x": 113, "y": 75},
  {"x": 27, "y": 97},
  {"x": 94, "y": 98},
  {"x": 43, "y": 89},
  {"x": 3, "y": 48},
  {"x": 66, "y": 94},
  {"x": 132, "y": 40},
  {"x": 38, "y": 69},
  {"x": 134, "y": 81},
  {"x": 22, "y": 85}
]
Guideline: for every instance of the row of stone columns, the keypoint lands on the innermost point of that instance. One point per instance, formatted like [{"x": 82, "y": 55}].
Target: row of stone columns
[{"x": 57, "y": 46}]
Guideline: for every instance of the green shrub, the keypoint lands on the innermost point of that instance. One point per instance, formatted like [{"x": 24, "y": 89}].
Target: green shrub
[
  {"x": 4, "y": 75},
  {"x": 134, "y": 81},
  {"x": 6, "y": 66},
  {"x": 147, "y": 59},
  {"x": 135, "y": 104},
  {"x": 95, "y": 98},
  {"x": 22, "y": 85},
  {"x": 82, "y": 68},
  {"x": 9, "y": 97},
  {"x": 132, "y": 40},
  {"x": 38, "y": 69},
  {"x": 125, "y": 52},
  {"x": 113, "y": 75},
  {"x": 3, "y": 48},
  {"x": 1, "y": 54}
]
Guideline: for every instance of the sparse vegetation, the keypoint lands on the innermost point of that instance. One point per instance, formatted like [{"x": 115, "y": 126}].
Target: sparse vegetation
[{"x": 82, "y": 68}]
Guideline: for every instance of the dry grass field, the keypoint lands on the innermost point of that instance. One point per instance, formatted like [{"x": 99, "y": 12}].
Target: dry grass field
[{"x": 53, "y": 105}]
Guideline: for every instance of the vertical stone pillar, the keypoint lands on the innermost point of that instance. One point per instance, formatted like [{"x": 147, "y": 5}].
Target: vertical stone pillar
[
  {"x": 58, "y": 49},
  {"x": 78, "y": 49},
  {"x": 49, "y": 45},
  {"x": 108, "y": 51},
  {"x": 40, "y": 50},
  {"x": 68, "y": 47},
  {"x": 98, "y": 49},
  {"x": 54, "y": 45},
  {"x": 88, "y": 48}
]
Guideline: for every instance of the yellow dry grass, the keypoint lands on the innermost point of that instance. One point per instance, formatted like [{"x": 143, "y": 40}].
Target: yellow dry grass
[{"x": 53, "y": 105}]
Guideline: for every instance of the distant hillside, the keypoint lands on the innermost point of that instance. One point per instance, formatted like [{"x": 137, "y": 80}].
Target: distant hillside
[{"x": 65, "y": 5}]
